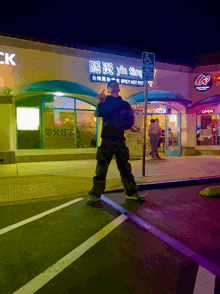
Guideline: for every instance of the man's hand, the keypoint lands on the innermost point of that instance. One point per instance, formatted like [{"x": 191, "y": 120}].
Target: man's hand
[{"x": 102, "y": 97}]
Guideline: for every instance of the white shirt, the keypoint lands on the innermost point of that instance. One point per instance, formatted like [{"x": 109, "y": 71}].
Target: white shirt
[{"x": 154, "y": 129}]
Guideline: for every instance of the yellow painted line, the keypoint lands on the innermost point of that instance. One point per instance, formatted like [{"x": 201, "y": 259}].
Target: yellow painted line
[
  {"x": 42, "y": 279},
  {"x": 33, "y": 218}
]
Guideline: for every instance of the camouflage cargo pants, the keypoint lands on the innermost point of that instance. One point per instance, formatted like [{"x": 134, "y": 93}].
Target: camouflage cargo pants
[{"x": 104, "y": 156}]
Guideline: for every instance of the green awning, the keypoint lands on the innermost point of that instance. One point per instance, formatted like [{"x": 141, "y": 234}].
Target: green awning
[
  {"x": 160, "y": 96},
  {"x": 52, "y": 86},
  {"x": 211, "y": 100}
]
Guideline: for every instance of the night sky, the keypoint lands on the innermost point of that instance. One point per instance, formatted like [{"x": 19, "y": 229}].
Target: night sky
[{"x": 176, "y": 31}]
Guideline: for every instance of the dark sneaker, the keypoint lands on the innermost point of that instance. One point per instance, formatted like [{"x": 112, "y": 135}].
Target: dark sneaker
[
  {"x": 158, "y": 157},
  {"x": 136, "y": 197},
  {"x": 93, "y": 199}
]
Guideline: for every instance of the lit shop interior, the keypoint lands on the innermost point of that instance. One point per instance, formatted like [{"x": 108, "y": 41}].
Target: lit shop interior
[
  {"x": 161, "y": 111},
  {"x": 54, "y": 122},
  {"x": 60, "y": 122},
  {"x": 207, "y": 123},
  {"x": 167, "y": 107}
]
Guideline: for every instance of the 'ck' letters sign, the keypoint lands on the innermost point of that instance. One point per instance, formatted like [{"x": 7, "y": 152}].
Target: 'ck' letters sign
[{"x": 7, "y": 58}]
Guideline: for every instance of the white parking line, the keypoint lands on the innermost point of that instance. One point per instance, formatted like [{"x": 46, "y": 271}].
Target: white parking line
[
  {"x": 38, "y": 282},
  {"x": 205, "y": 282},
  {"x": 33, "y": 218}
]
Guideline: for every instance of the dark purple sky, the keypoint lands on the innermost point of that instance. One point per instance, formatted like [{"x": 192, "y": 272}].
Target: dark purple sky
[{"x": 176, "y": 31}]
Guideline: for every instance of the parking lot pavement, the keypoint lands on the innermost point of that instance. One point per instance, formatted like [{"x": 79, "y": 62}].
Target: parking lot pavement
[
  {"x": 127, "y": 257},
  {"x": 84, "y": 249}
]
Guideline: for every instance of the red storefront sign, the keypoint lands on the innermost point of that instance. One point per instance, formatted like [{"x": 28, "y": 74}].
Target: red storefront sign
[
  {"x": 214, "y": 121},
  {"x": 216, "y": 77},
  {"x": 206, "y": 111},
  {"x": 203, "y": 82},
  {"x": 161, "y": 110}
]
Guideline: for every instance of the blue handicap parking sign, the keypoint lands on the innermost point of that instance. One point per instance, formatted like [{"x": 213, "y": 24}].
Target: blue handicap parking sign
[{"x": 148, "y": 60}]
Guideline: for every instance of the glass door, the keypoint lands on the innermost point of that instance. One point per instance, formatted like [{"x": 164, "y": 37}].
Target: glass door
[
  {"x": 148, "y": 145},
  {"x": 172, "y": 135},
  {"x": 161, "y": 147}
]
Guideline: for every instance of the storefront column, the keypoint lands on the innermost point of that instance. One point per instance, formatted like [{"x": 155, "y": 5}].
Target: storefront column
[
  {"x": 7, "y": 130},
  {"x": 99, "y": 120},
  {"x": 188, "y": 132}
]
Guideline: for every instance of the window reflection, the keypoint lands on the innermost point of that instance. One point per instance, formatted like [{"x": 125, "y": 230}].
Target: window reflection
[
  {"x": 59, "y": 102},
  {"x": 86, "y": 129},
  {"x": 208, "y": 127},
  {"x": 63, "y": 127},
  {"x": 83, "y": 105}
]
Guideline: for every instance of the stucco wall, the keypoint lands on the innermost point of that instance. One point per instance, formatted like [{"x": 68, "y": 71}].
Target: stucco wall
[{"x": 41, "y": 62}]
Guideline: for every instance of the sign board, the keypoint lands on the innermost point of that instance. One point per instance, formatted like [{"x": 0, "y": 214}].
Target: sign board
[
  {"x": 203, "y": 82},
  {"x": 160, "y": 110},
  {"x": 148, "y": 61},
  {"x": 206, "y": 111},
  {"x": 216, "y": 78},
  {"x": 104, "y": 71},
  {"x": 7, "y": 58},
  {"x": 101, "y": 71}
]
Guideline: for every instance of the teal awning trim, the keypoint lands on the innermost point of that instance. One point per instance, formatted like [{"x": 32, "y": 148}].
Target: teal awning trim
[
  {"x": 53, "y": 86},
  {"x": 160, "y": 96},
  {"x": 211, "y": 100}
]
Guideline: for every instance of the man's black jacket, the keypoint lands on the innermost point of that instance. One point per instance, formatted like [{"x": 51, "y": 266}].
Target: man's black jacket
[{"x": 117, "y": 116}]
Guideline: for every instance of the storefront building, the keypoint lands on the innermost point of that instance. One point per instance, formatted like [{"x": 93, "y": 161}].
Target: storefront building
[{"x": 48, "y": 96}]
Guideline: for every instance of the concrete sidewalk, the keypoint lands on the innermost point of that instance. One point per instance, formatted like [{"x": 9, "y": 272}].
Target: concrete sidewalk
[{"x": 46, "y": 180}]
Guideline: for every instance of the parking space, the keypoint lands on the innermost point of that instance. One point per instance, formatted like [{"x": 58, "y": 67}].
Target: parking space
[{"x": 70, "y": 247}]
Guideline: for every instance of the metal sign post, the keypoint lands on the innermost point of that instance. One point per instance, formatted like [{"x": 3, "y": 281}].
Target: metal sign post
[
  {"x": 148, "y": 60},
  {"x": 145, "y": 126}
]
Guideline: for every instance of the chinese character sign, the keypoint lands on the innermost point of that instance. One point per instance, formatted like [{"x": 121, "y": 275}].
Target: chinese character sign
[
  {"x": 95, "y": 67},
  {"x": 104, "y": 72},
  {"x": 107, "y": 68},
  {"x": 59, "y": 132}
]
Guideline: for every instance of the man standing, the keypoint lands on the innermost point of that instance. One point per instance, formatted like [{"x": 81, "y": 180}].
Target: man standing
[
  {"x": 117, "y": 116},
  {"x": 160, "y": 133},
  {"x": 154, "y": 131}
]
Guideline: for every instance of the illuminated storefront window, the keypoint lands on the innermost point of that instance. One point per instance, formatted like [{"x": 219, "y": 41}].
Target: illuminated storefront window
[
  {"x": 166, "y": 115},
  {"x": 86, "y": 129},
  {"x": 28, "y": 119},
  {"x": 208, "y": 126},
  {"x": 66, "y": 123},
  {"x": 59, "y": 102},
  {"x": 83, "y": 105},
  {"x": 59, "y": 129}
]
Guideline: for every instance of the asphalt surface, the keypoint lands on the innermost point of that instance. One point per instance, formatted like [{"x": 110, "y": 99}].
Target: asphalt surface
[{"x": 129, "y": 259}]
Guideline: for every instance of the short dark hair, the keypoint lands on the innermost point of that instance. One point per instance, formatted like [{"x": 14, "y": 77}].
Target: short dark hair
[
  {"x": 111, "y": 82},
  {"x": 152, "y": 120},
  {"x": 156, "y": 119}
]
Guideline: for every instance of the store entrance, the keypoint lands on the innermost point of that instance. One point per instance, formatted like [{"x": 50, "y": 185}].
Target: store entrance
[
  {"x": 169, "y": 143},
  {"x": 162, "y": 123},
  {"x": 172, "y": 135},
  {"x": 169, "y": 121}
]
